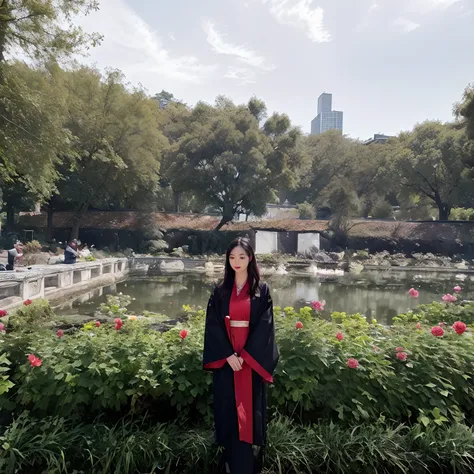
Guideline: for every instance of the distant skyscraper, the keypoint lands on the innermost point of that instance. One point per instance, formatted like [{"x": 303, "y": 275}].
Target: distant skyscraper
[{"x": 327, "y": 119}]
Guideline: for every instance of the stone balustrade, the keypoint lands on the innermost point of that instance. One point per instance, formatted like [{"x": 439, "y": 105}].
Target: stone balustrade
[{"x": 50, "y": 281}]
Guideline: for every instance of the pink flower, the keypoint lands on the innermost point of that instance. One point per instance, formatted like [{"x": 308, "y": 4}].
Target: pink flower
[
  {"x": 3, "y": 312},
  {"x": 60, "y": 333},
  {"x": 34, "y": 361},
  {"x": 399, "y": 349},
  {"x": 299, "y": 325},
  {"x": 2, "y": 327},
  {"x": 27, "y": 302},
  {"x": 441, "y": 324},
  {"x": 418, "y": 325},
  {"x": 457, "y": 289},
  {"x": 339, "y": 336},
  {"x": 437, "y": 331},
  {"x": 318, "y": 305},
  {"x": 97, "y": 324},
  {"x": 449, "y": 298},
  {"x": 459, "y": 327},
  {"x": 352, "y": 363},
  {"x": 376, "y": 349},
  {"x": 183, "y": 333},
  {"x": 402, "y": 356},
  {"x": 118, "y": 323},
  {"x": 413, "y": 293}
]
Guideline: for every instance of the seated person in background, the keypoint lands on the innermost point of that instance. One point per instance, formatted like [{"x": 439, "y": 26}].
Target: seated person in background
[
  {"x": 71, "y": 252},
  {"x": 13, "y": 254}
]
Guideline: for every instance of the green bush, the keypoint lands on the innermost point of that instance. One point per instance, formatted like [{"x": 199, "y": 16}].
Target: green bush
[
  {"x": 461, "y": 214},
  {"x": 306, "y": 210},
  {"x": 131, "y": 369},
  {"x": 382, "y": 209}
]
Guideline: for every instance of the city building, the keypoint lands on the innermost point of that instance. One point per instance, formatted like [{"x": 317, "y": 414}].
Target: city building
[
  {"x": 378, "y": 138},
  {"x": 327, "y": 119}
]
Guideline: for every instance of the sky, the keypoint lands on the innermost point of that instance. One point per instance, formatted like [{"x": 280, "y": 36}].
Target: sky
[{"x": 388, "y": 63}]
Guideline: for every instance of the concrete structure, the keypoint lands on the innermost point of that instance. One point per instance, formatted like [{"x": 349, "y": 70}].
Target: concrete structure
[
  {"x": 53, "y": 281},
  {"x": 327, "y": 119},
  {"x": 378, "y": 138},
  {"x": 286, "y": 242}
]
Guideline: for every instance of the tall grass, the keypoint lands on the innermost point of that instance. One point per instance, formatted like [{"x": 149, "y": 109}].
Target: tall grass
[{"x": 59, "y": 446}]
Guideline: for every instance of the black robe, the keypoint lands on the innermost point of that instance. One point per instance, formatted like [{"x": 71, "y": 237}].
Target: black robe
[{"x": 260, "y": 345}]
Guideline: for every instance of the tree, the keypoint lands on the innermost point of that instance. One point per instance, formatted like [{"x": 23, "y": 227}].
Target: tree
[
  {"x": 223, "y": 159},
  {"x": 44, "y": 29},
  {"x": 288, "y": 160},
  {"x": 257, "y": 108},
  {"x": 465, "y": 110},
  {"x": 116, "y": 145},
  {"x": 431, "y": 161},
  {"x": 32, "y": 134}
]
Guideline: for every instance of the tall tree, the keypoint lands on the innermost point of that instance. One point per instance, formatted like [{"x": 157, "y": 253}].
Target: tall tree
[
  {"x": 44, "y": 28},
  {"x": 432, "y": 162},
  {"x": 116, "y": 143},
  {"x": 465, "y": 110},
  {"x": 287, "y": 161},
  {"x": 32, "y": 133},
  {"x": 224, "y": 159}
]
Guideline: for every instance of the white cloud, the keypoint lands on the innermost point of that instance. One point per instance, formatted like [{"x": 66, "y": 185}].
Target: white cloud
[
  {"x": 243, "y": 75},
  {"x": 404, "y": 25},
  {"x": 220, "y": 45},
  {"x": 374, "y": 7},
  {"x": 427, "y": 6},
  {"x": 131, "y": 45},
  {"x": 302, "y": 14}
]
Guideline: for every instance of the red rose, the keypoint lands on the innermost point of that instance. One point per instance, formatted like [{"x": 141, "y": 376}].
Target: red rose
[
  {"x": 118, "y": 323},
  {"x": 60, "y": 333},
  {"x": 459, "y": 327},
  {"x": 3, "y": 312},
  {"x": 299, "y": 325},
  {"x": 27, "y": 302},
  {"x": 414, "y": 293},
  {"x": 34, "y": 361},
  {"x": 352, "y": 363},
  {"x": 183, "y": 334},
  {"x": 399, "y": 349},
  {"x": 437, "y": 331},
  {"x": 402, "y": 356},
  {"x": 339, "y": 336},
  {"x": 97, "y": 324},
  {"x": 418, "y": 325}
]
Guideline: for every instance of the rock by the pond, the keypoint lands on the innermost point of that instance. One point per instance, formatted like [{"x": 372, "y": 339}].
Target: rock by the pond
[
  {"x": 169, "y": 267},
  {"x": 356, "y": 268},
  {"x": 209, "y": 267},
  {"x": 178, "y": 252}
]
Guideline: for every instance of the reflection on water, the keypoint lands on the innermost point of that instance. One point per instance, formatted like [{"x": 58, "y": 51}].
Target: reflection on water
[{"x": 369, "y": 296}]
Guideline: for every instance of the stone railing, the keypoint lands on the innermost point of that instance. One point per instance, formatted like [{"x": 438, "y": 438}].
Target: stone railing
[{"x": 47, "y": 281}]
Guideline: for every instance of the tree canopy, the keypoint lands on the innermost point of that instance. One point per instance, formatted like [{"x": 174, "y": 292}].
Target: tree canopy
[{"x": 44, "y": 29}]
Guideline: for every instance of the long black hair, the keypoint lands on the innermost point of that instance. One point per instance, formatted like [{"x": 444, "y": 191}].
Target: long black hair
[{"x": 253, "y": 278}]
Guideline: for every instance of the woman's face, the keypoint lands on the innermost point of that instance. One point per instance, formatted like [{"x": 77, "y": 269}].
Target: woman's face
[{"x": 239, "y": 260}]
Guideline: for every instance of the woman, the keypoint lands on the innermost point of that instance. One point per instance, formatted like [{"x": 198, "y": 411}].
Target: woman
[
  {"x": 14, "y": 254},
  {"x": 240, "y": 350}
]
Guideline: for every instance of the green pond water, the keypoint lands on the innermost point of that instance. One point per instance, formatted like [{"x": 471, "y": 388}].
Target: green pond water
[{"x": 369, "y": 296}]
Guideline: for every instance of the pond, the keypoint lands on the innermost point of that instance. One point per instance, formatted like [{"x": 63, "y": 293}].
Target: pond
[{"x": 369, "y": 296}]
